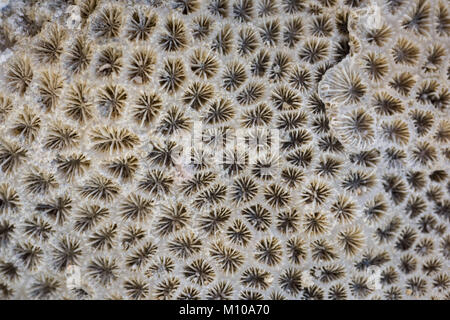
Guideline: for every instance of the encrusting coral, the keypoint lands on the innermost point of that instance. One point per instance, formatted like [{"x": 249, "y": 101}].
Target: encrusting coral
[{"x": 224, "y": 149}]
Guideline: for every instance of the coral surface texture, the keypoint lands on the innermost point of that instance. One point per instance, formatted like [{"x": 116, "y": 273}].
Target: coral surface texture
[{"x": 224, "y": 149}]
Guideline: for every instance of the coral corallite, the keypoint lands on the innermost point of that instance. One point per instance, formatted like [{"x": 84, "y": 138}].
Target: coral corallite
[{"x": 224, "y": 149}]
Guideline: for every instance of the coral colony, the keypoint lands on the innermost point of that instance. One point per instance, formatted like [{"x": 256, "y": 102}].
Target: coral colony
[{"x": 224, "y": 149}]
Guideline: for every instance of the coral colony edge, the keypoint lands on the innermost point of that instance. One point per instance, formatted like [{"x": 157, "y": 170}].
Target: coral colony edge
[{"x": 224, "y": 149}]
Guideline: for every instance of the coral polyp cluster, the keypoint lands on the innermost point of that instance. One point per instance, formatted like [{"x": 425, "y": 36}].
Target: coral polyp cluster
[{"x": 224, "y": 149}]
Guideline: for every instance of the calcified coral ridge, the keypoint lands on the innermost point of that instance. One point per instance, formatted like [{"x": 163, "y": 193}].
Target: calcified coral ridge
[{"x": 330, "y": 119}]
